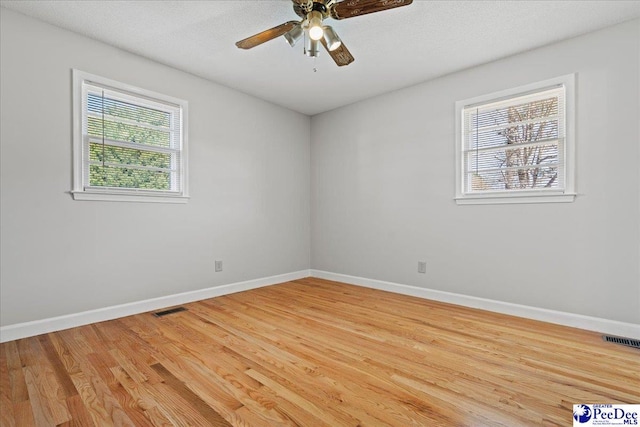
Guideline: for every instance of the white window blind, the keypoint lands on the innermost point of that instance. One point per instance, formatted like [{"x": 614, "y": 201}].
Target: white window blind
[
  {"x": 132, "y": 143},
  {"x": 515, "y": 145}
]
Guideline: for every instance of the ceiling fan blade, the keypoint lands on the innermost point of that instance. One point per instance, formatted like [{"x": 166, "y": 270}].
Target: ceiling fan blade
[
  {"x": 350, "y": 8},
  {"x": 266, "y": 35},
  {"x": 341, "y": 55}
]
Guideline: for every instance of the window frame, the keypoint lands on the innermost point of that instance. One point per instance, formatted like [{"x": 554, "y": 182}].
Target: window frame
[
  {"x": 81, "y": 188},
  {"x": 562, "y": 195}
]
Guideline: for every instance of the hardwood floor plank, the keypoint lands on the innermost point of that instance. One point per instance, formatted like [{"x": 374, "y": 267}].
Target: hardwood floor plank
[
  {"x": 105, "y": 366},
  {"x": 24, "y": 414},
  {"x": 130, "y": 351},
  {"x": 194, "y": 400},
  {"x": 27, "y": 352},
  {"x": 318, "y": 417},
  {"x": 139, "y": 394},
  {"x": 37, "y": 398},
  {"x": 65, "y": 356},
  {"x": 97, "y": 398},
  {"x": 18, "y": 387},
  {"x": 80, "y": 417},
  {"x": 62, "y": 377},
  {"x": 175, "y": 408},
  {"x": 313, "y": 353},
  {"x": 7, "y": 416}
]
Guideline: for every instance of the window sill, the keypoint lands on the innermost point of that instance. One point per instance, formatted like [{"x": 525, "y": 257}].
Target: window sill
[
  {"x": 494, "y": 199},
  {"x": 109, "y": 196}
]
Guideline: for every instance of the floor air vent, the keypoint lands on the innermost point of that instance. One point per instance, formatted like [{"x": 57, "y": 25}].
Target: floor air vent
[
  {"x": 170, "y": 311},
  {"x": 622, "y": 341}
]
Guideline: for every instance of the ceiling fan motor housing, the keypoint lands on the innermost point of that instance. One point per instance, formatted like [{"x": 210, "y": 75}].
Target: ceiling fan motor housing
[{"x": 322, "y": 6}]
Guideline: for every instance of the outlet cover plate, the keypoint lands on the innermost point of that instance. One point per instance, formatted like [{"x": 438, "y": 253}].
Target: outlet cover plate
[{"x": 422, "y": 267}]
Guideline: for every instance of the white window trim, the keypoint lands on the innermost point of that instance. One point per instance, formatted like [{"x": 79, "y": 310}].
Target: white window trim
[
  {"x": 79, "y": 192},
  {"x": 546, "y": 196}
]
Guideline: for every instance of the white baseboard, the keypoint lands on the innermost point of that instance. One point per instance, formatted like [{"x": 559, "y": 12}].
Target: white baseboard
[
  {"x": 629, "y": 330},
  {"x": 37, "y": 327}
]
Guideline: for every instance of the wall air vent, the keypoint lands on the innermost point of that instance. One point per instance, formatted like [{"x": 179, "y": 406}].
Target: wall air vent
[
  {"x": 170, "y": 311},
  {"x": 622, "y": 341}
]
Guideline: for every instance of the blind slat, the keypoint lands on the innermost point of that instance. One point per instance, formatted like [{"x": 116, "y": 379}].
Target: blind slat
[
  {"x": 131, "y": 166},
  {"x": 506, "y": 146},
  {"x": 132, "y": 145},
  {"x": 493, "y": 127},
  {"x": 128, "y": 121}
]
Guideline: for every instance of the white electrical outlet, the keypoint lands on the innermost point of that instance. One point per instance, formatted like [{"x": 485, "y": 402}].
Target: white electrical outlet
[
  {"x": 422, "y": 267},
  {"x": 218, "y": 266}
]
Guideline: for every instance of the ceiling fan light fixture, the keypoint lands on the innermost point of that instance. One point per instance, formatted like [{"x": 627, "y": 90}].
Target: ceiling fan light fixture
[
  {"x": 294, "y": 35},
  {"x": 315, "y": 25},
  {"x": 311, "y": 47},
  {"x": 331, "y": 39}
]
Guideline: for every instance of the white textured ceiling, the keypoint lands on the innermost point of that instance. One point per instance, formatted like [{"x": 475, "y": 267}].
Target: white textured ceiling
[{"x": 392, "y": 49}]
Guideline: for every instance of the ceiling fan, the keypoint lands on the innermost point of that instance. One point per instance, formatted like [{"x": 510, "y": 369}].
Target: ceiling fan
[{"x": 312, "y": 28}]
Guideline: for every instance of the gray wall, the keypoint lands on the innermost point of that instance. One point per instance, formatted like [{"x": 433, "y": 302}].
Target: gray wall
[
  {"x": 383, "y": 188},
  {"x": 249, "y": 186}
]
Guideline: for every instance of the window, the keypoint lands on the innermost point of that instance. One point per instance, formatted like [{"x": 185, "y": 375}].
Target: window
[
  {"x": 516, "y": 146},
  {"x": 129, "y": 144}
]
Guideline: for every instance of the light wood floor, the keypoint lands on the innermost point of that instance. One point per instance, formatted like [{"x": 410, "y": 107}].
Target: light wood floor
[{"x": 313, "y": 353}]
